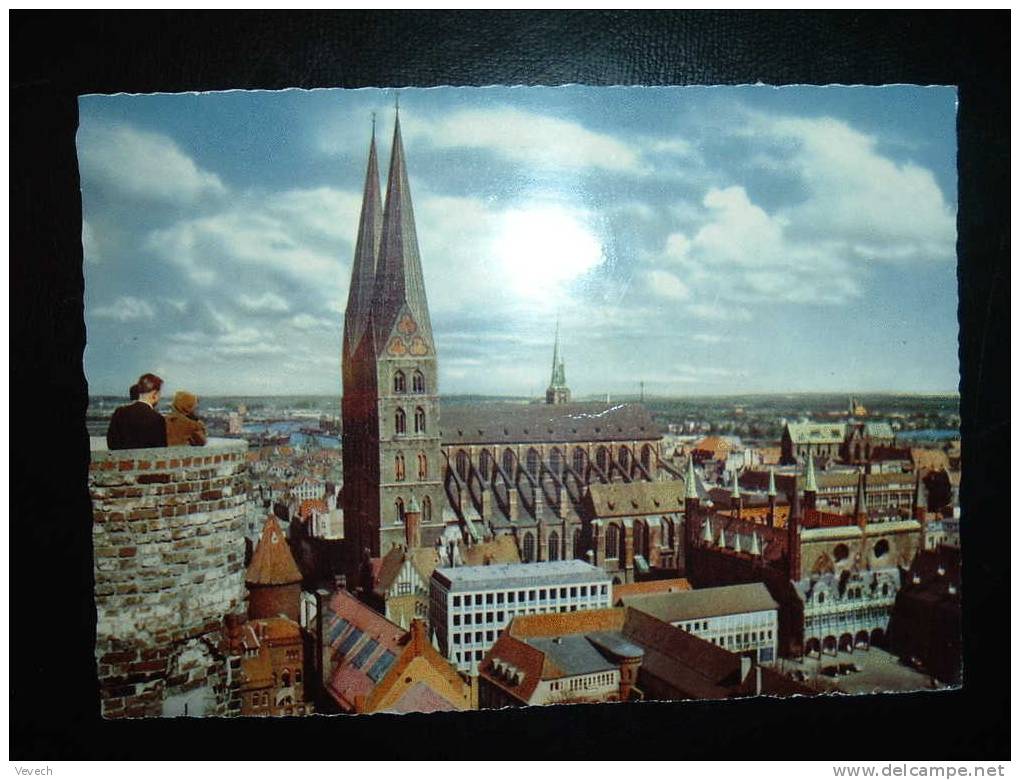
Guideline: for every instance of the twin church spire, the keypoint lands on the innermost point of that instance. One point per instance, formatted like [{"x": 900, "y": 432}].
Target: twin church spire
[{"x": 386, "y": 279}]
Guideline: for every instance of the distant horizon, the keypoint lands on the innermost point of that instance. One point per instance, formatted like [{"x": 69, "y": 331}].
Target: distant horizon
[{"x": 594, "y": 397}]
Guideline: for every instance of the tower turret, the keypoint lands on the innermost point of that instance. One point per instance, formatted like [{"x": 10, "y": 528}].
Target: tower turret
[
  {"x": 557, "y": 392},
  {"x": 810, "y": 485},
  {"x": 391, "y": 399},
  {"x": 772, "y": 498}
]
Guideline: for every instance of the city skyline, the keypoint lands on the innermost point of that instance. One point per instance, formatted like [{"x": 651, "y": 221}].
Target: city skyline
[{"x": 703, "y": 241}]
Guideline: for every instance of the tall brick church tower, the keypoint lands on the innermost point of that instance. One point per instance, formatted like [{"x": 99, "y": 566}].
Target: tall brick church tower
[{"x": 390, "y": 404}]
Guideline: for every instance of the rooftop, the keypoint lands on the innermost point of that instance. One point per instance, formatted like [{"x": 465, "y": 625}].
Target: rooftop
[
  {"x": 462, "y": 578},
  {"x": 704, "y": 602},
  {"x": 484, "y": 423}
]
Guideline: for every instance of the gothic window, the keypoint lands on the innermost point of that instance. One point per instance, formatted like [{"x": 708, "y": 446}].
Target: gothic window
[
  {"x": 613, "y": 542},
  {"x": 399, "y": 504},
  {"x": 646, "y": 457},
  {"x": 423, "y": 466},
  {"x": 533, "y": 461},
  {"x": 419, "y": 420},
  {"x": 602, "y": 458},
  {"x": 508, "y": 462},
  {"x": 579, "y": 458},
  {"x": 400, "y": 421},
  {"x": 577, "y": 542},
  {"x": 556, "y": 461},
  {"x": 667, "y": 533},
  {"x": 399, "y": 467},
  {"x": 528, "y": 553},
  {"x": 641, "y": 538},
  {"x": 624, "y": 456},
  {"x": 418, "y": 382},
  {"x": 399, "y": 382},
  {"x": 426, "y": 510},
  {"x": 285, "y": 678},
  {"x": 462, "y": 464},
  {"x": 554, "y": 546},
  {"x": 485, "y": 464}
]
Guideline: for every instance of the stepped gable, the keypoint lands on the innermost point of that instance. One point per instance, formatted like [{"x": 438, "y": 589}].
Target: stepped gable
[
  {"x": 272, "y": 563},
  {"x": 510, "y": 423}
]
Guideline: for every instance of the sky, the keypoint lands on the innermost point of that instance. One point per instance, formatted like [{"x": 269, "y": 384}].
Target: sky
[{"x": 701, "y": 240}]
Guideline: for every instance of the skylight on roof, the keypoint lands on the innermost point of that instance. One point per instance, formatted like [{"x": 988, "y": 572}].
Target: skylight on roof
[
  {"x": 365, "y": 653},
  {"x": 381, "y": 666}
]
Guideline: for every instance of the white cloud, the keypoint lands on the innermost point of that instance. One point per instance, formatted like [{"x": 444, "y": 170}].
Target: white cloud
[
  {"x": 267, "y": 302},
  {"x": 126, "y": 309},
  {"x": 527, "y": 137},
  {"x": 308, "y": 322},
  {"x": 880, "y": 209},
  {"x": 715, "y": 312},
  {"x": 304, "y": 234},
  {"x": 142, "y": 164},
  {"x": 664, "y": 284},
  {"x": 90, "y": 243}
]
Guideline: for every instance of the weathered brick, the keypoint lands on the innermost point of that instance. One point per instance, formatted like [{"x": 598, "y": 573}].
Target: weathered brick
[
  {"x": 126, "y": 465},
  {"x": 128, "y": 552},
  {"x": 149, "y": 479}
]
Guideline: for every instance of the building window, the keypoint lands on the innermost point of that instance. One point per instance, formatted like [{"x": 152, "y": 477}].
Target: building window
[
  {"x": 646, "y": 457},
  {"x": 602, "y": 458},
  {"x": 556, "y": 461},
  {"x": 508, "y": 462},
  {"x": 418, "y": 382},
  {"x": 426, "y": 510},
  {"x": 528, "y": 554},
  {"x": 554, "y": 546},
  {"x": 485, "y": 464},
  {"x": 456, "y": 620},
  {"x": 399, "y": 382},
  {"x": 462, "y": 463},
  {"x": 423, "y": 466},
  {"x": 613, "y": 541},
  {"x": 398, "y": 466},
  {"x": 668, "y": 539},
  {"x": 881, "y": 548},
  {"x": 533, "y": 462},
  {"x": 419, "y": 420},
  {"x": 400, "y": 509},
  {"x": 456, "y": 601},
  {"x": 624, "y": 456},
  {"x": 400, "y": 421},
  {"x": 579, "y": 458}
]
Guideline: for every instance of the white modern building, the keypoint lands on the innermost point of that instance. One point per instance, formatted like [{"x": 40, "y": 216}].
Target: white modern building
[
  {"x": 470, "y": 605},
  {"x": 743, "y": 619}
]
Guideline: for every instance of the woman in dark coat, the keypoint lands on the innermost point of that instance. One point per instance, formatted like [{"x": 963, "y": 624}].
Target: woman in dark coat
[{"x": 139, "y": 425}]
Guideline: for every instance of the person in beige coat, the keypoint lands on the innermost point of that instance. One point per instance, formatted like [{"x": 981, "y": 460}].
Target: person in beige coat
[{"x": 182, "y": 426}]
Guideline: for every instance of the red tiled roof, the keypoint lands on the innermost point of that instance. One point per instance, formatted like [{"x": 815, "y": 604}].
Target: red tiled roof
[
  {"x": 272, "y": 562},
  {"x": 529, "y": 661},
  {"x": 421, "y": 698},
  {"x": 348, "y": 682},
  {"x": 649, "y": 586},
  {"x": 312, "y": 504}
]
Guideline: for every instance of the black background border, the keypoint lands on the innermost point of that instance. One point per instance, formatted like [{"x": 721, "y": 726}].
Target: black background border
[{"x": 58, "y": 55}]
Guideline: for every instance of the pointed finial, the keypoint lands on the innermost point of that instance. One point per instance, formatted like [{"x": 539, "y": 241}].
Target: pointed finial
[
  {"x": 690, "y": 488},
  {"x": 735, "y": 493},
  {"x": 810, "y": 484},
  {"x": 772, "y": 482},
  {"x": 706, "y": 535},
  {"x": 755, "y": 545}
]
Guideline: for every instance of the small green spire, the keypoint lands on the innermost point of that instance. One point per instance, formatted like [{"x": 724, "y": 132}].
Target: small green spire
[
  {"x": 690, "y": 487},
  {"x": 772, "y": 482},
  {"x": 735, "y": 493},
  {"x": 810, "y": 485}
]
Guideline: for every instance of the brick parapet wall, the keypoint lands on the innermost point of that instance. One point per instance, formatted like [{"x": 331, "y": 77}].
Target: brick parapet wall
[{"x": 168, "y": 539}]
